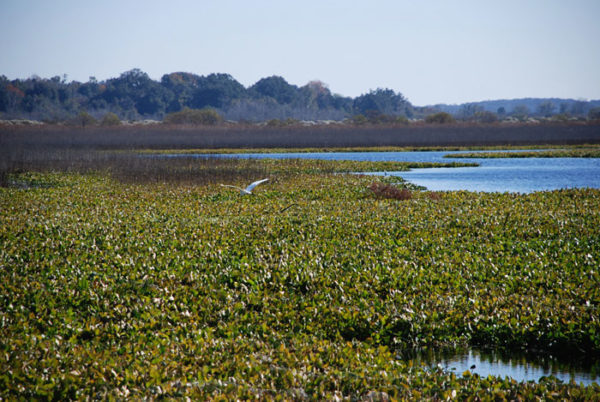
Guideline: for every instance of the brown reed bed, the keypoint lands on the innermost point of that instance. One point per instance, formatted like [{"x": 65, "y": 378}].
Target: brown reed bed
[
  {"x": 162, "y": 136},
  {"x": 70, "y": 149},
  {"x": 129, "y": 167}
]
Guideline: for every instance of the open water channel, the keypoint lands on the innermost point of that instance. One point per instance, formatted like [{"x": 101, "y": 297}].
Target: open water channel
[{"x": 522, "y": 175}]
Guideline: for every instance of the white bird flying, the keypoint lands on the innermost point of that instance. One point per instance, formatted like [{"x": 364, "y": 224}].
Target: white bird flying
[{"x": 247, "y": 190}]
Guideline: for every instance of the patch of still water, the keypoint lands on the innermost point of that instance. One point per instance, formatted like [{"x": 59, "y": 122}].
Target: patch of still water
[{"x": 519, "y": 367}]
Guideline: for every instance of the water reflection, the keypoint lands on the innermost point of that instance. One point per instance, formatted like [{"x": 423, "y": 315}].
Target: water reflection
[{"x": 520, "y": 367}]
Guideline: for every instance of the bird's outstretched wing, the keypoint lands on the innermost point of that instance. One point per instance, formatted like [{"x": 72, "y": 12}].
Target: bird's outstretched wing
[
  {"x": 256, "y": 183},
  {"x": 229, "y": 185}
]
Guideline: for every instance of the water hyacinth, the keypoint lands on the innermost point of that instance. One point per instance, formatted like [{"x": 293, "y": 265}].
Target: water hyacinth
[{"x": 309, "y": 289}]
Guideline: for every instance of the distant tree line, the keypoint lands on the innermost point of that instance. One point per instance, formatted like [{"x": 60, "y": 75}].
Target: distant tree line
[
  {"x": 520, "y": 110},
  {"x": 177, "y": 97},
  {"x": 135, "y": 96}
]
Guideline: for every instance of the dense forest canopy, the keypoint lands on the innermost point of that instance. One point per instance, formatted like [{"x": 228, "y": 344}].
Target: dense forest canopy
[{"x": 135, "y": 96}]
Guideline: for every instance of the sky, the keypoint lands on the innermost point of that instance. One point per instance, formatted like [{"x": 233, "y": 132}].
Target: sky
[{"x": 431, "y": 51}]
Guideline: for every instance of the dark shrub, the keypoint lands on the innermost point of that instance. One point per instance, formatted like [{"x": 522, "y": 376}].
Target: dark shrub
[
  {"x": 594, "y": 113},
  {"x": 382, "y": 190},
  {"x": 440, "y": 118},
  {"x": 283, "y": 123},
  {"x": 202, "y": 117},
  {"x": 110, "y": 119},
  {"x": 83, "y": 119},
  {"x": 434, "y": 195}
]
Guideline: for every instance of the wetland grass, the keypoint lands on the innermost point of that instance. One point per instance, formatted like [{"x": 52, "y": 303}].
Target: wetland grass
[{"x": 572, "y": 152}]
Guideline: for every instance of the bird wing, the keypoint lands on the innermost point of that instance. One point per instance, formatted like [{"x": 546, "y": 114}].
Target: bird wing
[
  {"x": 229, "y": 185},
  {"x": 256, "y": 183}
]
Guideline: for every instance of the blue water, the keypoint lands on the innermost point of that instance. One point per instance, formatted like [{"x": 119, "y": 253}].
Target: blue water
[
  {"x": 522, "y": 175},
  {"x": 517, "y": 367}
]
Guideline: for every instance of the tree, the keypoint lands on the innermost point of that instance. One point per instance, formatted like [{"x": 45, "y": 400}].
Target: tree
[
  {"x": 182, "y": 86},
  {"x": 564, "y": 108},
  {"x": 359, "y": 119},
  {"x": 134, "y": 91},
  {"x": 546, "y": 108},
  {"x": 275, "y": 87},
  {"x": 578, "y": 108},
  {"x": 152, "y": 101},
  {"x": 469, "y": 111},
  {"x": 110, "y": 119},
  {"x": 10, "y": 95},
  {"x": 217, "y": 90},
  {"x": 134, "y": 95},
  {"x": 315, "y": 95},
  {"x": 594, "y": 113},
  {"x": 485, "y": 117},
  {"x": 84, "y": 119},
  {"x": 384, "y": 101},
  {"x": 520, "y": 112}
]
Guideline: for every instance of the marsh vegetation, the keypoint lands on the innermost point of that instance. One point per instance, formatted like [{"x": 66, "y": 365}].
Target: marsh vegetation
[
  {"x": 142, "y": 277},
  {"x": 574, "y": 152}
]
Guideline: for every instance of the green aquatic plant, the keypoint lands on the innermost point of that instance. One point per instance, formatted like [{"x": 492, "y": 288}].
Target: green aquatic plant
[{"x": 125, "y": 289}]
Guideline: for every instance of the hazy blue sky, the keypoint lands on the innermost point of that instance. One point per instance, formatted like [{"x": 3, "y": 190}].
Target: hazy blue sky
[{"x": 431, "y": 51}]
